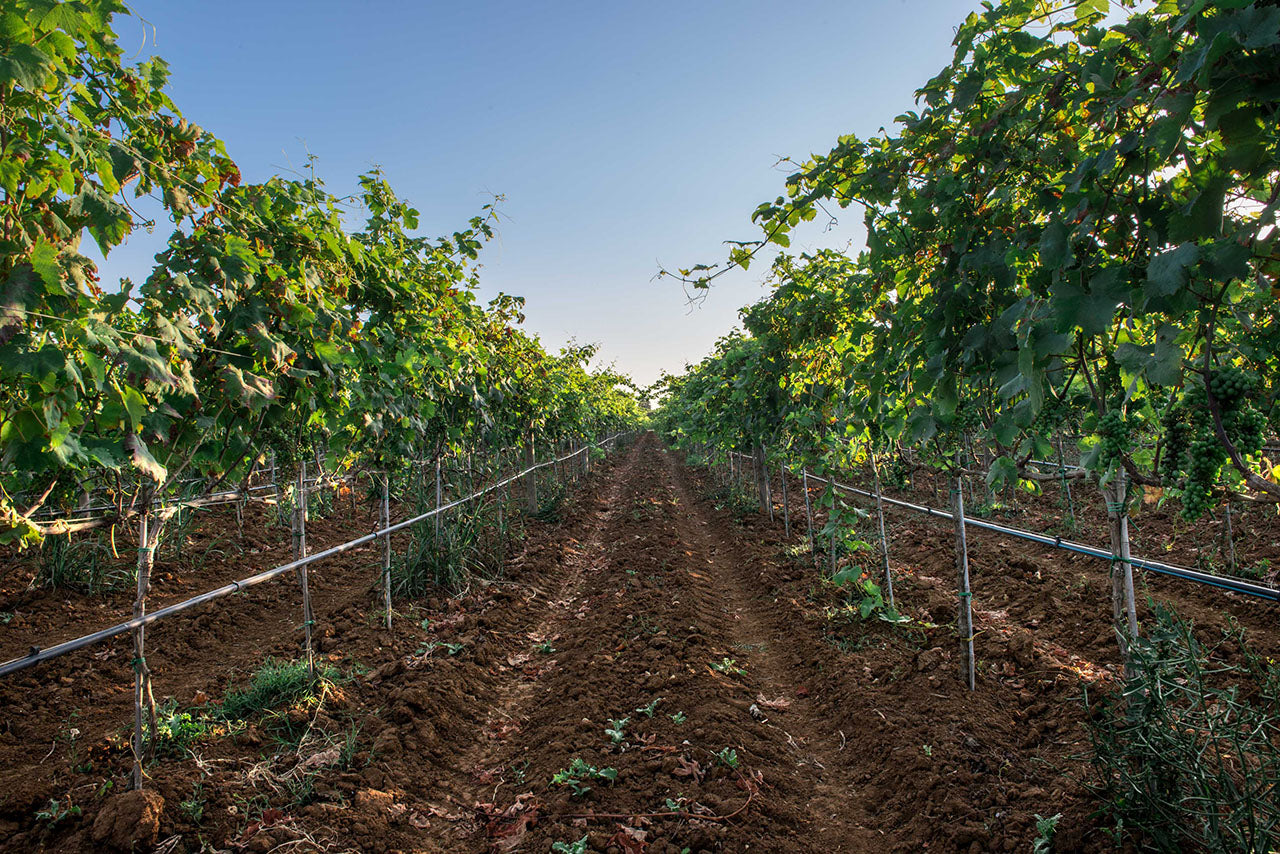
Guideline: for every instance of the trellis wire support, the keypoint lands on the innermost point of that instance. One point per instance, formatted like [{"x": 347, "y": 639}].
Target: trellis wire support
[
  {"x": 808, "y": 516},
  {"x": 1123, "y": 608},
  {"x": 965, "y": 619},
  {"x": 439, "y": 501},
  {"x": 386, "y": 546},
  {"x": 300, "y": 550},
  {"x": 530, "y": 481},
  {"x": 1066, "y": 483},
  {"x": 1231, "y": 540},
  {"x": 786, "y": 501},
  {"x": 884, "y": 539},
  {"x": 142, "y": 694}
]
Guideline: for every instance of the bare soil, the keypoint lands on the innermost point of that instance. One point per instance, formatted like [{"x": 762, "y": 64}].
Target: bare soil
[{"x": 651, "y": 630}]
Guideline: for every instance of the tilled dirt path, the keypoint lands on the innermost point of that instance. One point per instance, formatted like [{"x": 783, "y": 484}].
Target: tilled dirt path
[{"x": 668, "y": 670}]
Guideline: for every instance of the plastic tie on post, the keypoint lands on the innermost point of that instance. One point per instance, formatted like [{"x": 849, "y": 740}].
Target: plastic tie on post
[
  {"x": 968, "y": 594},
  {"x": 138, "y": 663},
  {"x": 1115, "y": 506}
]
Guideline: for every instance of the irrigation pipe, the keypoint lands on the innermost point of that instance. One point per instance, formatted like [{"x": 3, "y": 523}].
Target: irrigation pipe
[
  {"x": 1234, "y": 585},
  {"x": 38, "y": 654}
]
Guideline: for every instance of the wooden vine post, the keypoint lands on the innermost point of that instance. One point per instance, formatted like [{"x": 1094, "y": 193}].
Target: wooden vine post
[
  {"x": 144, "y": 701},
  {"x": 786, "y": 501},
  {"x": 831, "y": 519},
  {"x": 808, "y": 515},
  {"x": 884, "y": 539},
  {"x": 1230, "y": 537},
  {"x": 386, "y": 546},
  {"x": 1066, "y": 483},
  {"x": 299, "y": 552},
  {"x": 530, "y": 480},
  {"x": 762, "y": 480},
  {"x": 965, "y": 621},
  {"x": 1123, "y": 609},
  {"x": 439, "y": 493},
  {"x": 279, "y": 489}
]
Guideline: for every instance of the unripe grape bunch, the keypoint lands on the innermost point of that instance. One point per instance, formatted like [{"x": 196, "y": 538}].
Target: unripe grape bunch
[{"x": 1194, "y": 452}]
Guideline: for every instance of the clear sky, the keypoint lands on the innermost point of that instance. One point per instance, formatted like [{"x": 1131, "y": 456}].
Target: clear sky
[{"x": 624, "y": 136}]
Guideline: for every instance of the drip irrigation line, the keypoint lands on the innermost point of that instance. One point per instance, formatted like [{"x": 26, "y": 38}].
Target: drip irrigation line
[
  {"x": 1234, "y": 585},
  {"x": 37, "y": 654}
]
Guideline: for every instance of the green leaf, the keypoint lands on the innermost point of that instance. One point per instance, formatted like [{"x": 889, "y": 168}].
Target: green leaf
[
  {"x": 44, "y": 260},
  {"x": 1090, "y": 311},
  {"x": 142, "y": 460},
  {"x": 1168, "y": 272},
  {"x": 246, "y": 388},
  {"x": 26, "y": 66},
  {"x": 135, "y": 405},
  {"x": 1055, "y": 251},
  {"x": 1002, "y": 470}
]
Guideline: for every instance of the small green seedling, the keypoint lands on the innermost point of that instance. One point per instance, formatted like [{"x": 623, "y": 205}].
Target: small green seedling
[
  {"x": 1045, "y": 829},
  {"x": 579, "y": 847},
  {"x": 728, "y": 665},
  {"x": 728, "y": 756},
  {"x": 545, "y": 648},
  {"x": 578, "y": 772},
  {"x": 617, "y": 729},
  {"x": 56, "y": 811},
  {"x": 648, "y": 710},
  {"x": 431, "y": 646},
  {"x": 678, "y": 718}
]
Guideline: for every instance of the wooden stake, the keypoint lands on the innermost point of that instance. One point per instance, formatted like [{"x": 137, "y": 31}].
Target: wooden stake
[
  {"x": 831, "y": 517},
  {"x": 275, "y": 481},
  {"x": 762, "y": 480},
  {"x": 786, "y": 501},
  {"x": 1066, "y": 484},
  {"x": 808, "y": 516},
  {"x": 1231, "y": 540},
  {"x": 884, "y": 540},
  {"x": 1123, "y": 609},
  {"x": 300, "y": 551},
  {"x": 143, "y": 698},
  {"x": 386, "y": 546},
  {"x": 439, "y": 501},
  {"x": 965, "y": 621},
  {"x": 530, "y": 480}
]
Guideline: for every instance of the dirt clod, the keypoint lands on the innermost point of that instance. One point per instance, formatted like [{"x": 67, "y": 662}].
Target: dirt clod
[{"x": 129, "y": 821}]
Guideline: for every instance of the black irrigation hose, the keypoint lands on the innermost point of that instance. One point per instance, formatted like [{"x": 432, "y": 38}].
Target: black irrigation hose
[
  {"x": 1234, "y": 585},
  {"x": 37, "y": 655}
]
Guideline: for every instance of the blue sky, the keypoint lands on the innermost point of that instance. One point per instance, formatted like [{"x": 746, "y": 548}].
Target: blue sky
[{"x": 624, "y": 136}]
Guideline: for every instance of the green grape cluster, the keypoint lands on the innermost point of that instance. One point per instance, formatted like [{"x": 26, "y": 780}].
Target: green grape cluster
[
  {"x": 1193, "y": 450},
  {"x": 1204, "y": 458},
  {"x": 285, "y": 443},
  {"x": 1229, "y": 386},
  {"x": 1114, "y": 444},
  {"x": 1109, "y": 379},
  {"x": 1176, "y": 437}
]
